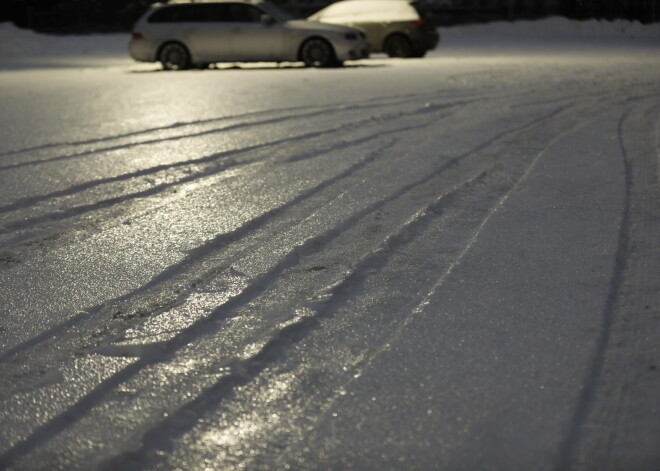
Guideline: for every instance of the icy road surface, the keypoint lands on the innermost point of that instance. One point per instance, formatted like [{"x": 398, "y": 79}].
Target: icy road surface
[{"x": 449, "y": 263}]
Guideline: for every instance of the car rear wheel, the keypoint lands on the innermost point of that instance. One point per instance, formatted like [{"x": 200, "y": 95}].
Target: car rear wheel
[
  {"x": 398, "y": 45},
  {"x": 317, "y": 52},
  {"x": 174, "y": 56}
]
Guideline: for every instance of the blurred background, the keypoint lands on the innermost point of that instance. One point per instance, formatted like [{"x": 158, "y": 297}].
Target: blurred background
[{"x": 97, "y": 16}]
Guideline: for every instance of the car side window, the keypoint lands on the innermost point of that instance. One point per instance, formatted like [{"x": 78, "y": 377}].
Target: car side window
[
  {"x": 199, "y": 13},
  {"x": 242, "y": 13},
  {"x": 213, "y": 12},
  {"x": 177, "y": 14},
  {"x": 191, "y": 14},
  {"x": 165, "y": 15}
]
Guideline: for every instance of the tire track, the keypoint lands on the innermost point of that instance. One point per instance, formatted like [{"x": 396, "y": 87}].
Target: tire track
[
  {"x": 395, "y": 99},
  {"x": 402, "y": 98},
  {"x": 210, "y": 168},
  {"x": 570, "y": 447},
  {"x": 163, "y": 352},
  {"x": 331, "y": 302},
  {"x": 185, "y": 172},
  {"x": 282, "y": 115},
  {"x": 359, "y": 362},
  {"x": 190, "y": 169},
  {"x": 220, "y": 243},
  {"x": 31, "y": 200},
  {"x": 622, "y": 385},
  {"x": 223, "y": 241},
  {"x": 200, "y": 168}
]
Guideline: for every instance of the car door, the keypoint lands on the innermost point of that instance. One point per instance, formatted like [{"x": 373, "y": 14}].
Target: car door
[
  {"x": 251, "y": 38},
  {"x": 208, "y": 32}
]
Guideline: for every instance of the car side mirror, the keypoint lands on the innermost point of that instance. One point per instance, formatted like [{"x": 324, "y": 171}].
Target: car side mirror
[{"x": 267, "y": 19}]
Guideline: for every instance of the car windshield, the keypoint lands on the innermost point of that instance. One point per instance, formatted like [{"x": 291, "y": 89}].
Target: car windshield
[{"x": 276, "y": 12}]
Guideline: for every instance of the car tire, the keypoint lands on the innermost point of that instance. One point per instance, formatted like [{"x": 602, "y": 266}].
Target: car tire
[
  {"x": 398, "y": 45},
  {"x": 317, "y": 52},
  {"x": 174, "y": 56}
]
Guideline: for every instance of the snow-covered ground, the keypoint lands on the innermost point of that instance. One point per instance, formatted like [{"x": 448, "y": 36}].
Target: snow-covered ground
[
  {"x": 442, "y": 263},
  {"x": 26, "y": 49}
]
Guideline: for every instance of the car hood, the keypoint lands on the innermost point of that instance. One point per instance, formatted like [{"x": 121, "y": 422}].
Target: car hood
[{"x": 318, "y": 26}]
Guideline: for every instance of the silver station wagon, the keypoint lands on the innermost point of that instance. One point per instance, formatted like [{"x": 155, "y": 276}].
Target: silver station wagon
[{"x": 184, "y": 34}]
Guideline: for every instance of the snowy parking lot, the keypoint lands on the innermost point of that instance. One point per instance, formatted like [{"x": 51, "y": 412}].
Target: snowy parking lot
[{"x": 443, "y": 263}]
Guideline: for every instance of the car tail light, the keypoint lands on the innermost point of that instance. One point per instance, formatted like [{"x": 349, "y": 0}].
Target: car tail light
[
  {"x": 138, "y": 36},
  {"x": 418, "y": 23}
]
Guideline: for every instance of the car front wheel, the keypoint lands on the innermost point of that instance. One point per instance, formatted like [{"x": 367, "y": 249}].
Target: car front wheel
[
  {"x": 398, "y": 46},
  {"x": 317, "y": 52},
  {"x": 174, "y": 56}
]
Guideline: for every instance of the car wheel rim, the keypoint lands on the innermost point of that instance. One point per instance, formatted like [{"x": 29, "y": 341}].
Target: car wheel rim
[
  {"x": 174, "y": 57},
  {"x": 398, "y": 48},
  {"x": 316, "y": 53}
]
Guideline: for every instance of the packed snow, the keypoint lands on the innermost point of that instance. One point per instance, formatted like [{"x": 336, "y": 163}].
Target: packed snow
[{"x": 441, "y": 263}]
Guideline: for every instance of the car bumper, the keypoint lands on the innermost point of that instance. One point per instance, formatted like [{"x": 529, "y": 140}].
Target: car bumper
[
  {"x": 430, "y": 39},
  {"x": 354, "y": 50},
  {"x": 142, "y": 50}
]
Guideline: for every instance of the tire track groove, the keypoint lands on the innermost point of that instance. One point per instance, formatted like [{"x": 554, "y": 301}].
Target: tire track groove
[
  {"x": 617, "y": 383},
  {"x": 331, "y": 301},
  {"x": 226, "y": 239},
  {"x": 258, "y": 285},
  {"x": 286, "y": 115},
  {"x": 27, "y": 202}
]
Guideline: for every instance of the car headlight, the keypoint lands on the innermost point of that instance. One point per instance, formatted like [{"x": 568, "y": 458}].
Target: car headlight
[{"x": 351, "y": 36}]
